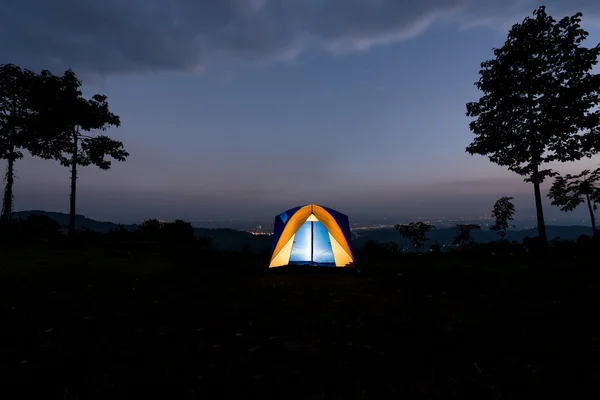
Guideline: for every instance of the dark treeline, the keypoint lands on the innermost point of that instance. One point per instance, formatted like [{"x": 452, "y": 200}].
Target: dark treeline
[
  {"x": 177, "y": 241},
  {"x": 464, "y": 244},
  {"x": 39, "y": 229}
]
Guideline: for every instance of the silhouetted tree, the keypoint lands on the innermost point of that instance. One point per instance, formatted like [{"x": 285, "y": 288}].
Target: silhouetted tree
[
  {"x": 503, "y": 213},
  {"x": 463, "y": 233},
  {"x": 570, "y": 191},
  {"x": 178, "y": 231},
  {"x": 436, "y": 248},
  {"x": 15, "y": 113},
  {"x": 416, "y": 232},
  {"x": 42, "y": 226},
  {"x": 538, "y": 102},
  {"x": 119, "y": 233},
  {"x": 32, "y": 229},
  {"x": 71, "y": 116},
  {"x": 149, "y": 229}
]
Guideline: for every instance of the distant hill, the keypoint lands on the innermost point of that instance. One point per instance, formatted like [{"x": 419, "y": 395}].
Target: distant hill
[
  {"x": 235, "y": 240},
  {"x": 445, "y": 236},
  {"x": 223, "y": 239},
  {"x": 81, "y": 222}
]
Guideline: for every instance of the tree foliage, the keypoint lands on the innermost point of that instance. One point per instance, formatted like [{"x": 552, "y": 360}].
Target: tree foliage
[
  {"x": 15, "y": 135},
  {"x": 14, "y": 111},
  {"x": 73, "y": 115},
  {"x": 150, "y": 228},
  {"x": 416, "y": 232},
  {"x": 570, "y": 191},
  {"x": 178, "y": 231},
  {"x": 503, "y": 213},
  {"x": 463, "y": 233},
  {"x": 539, "y": 100},
  {"x": 70, "y": 120}
]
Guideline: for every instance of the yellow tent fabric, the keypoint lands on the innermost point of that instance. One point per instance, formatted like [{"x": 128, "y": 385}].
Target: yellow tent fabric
[{"x": 342, "y": 252}]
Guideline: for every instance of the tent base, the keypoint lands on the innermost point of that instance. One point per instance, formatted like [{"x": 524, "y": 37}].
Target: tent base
[
  {"x": 311, "y": 264},
  {"x": 292, "y": 269}
]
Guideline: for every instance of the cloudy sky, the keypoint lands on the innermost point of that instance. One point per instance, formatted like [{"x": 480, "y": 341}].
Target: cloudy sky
[{"x": 235, "y": 108}]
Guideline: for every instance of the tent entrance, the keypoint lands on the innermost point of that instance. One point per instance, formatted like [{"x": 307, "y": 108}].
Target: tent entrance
[{"x": 312, "y": 245}]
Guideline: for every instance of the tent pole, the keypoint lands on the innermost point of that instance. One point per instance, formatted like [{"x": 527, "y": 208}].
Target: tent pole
[{"x": 312, "y": 241}]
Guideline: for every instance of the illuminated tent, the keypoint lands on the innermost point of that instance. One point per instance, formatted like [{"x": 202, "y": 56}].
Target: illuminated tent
[{"x": 312, "y": 235}]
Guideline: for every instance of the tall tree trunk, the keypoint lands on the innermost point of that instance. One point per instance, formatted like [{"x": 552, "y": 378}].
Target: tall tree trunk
[
  {"x": 535, "y": 159},
  {"x": 539, "y": 209},
  {"x": 7, "y": 200},
  {"x": 73, "y": 186},
  {"x": 592, "y": 216}
]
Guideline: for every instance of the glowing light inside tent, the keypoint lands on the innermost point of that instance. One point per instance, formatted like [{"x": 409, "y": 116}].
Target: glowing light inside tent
[
  {"x": 301, "y": 248},
  {"x": 312, "y": 218},
  {"x": 322, "y": 252}
]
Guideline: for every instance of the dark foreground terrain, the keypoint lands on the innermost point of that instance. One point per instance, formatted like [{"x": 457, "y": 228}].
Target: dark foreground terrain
[{"x": 108, "y": 324}]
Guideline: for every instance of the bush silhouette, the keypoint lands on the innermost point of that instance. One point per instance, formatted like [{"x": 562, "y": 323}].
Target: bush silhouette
[
  {"x": 34, "y": 228},
  {"x": 177, "y": 232}
]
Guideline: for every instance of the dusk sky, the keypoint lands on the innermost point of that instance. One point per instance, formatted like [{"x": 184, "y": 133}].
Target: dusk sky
[{"x": 246, "y": 108}]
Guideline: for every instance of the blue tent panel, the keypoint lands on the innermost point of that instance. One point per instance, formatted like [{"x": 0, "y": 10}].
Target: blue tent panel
[
  {"x": 285, "y": 216},
  {"x": 322, "y": 251},
  {"x": 277, "y": 230},
  {"x": 343, "y": 222},
  {"x": 280, "y": 222}
]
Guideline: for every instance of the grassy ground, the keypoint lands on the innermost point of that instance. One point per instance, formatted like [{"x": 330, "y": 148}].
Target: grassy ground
[{"x": 100, "y": 324}]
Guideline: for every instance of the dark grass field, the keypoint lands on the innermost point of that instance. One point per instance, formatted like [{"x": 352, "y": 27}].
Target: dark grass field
[{"x": 105, "y": 324}]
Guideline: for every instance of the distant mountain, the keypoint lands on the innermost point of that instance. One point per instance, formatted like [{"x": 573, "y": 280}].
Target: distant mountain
[
  {"x": 81, "y": 222},
  {"x": 445, "y": 236},
  {"x": 226, "y": 239},
  {"x": 223, "y": 239}
]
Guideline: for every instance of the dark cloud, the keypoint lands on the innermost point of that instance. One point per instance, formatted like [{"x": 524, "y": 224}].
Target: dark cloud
[{"x": 122, "y": 36}]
